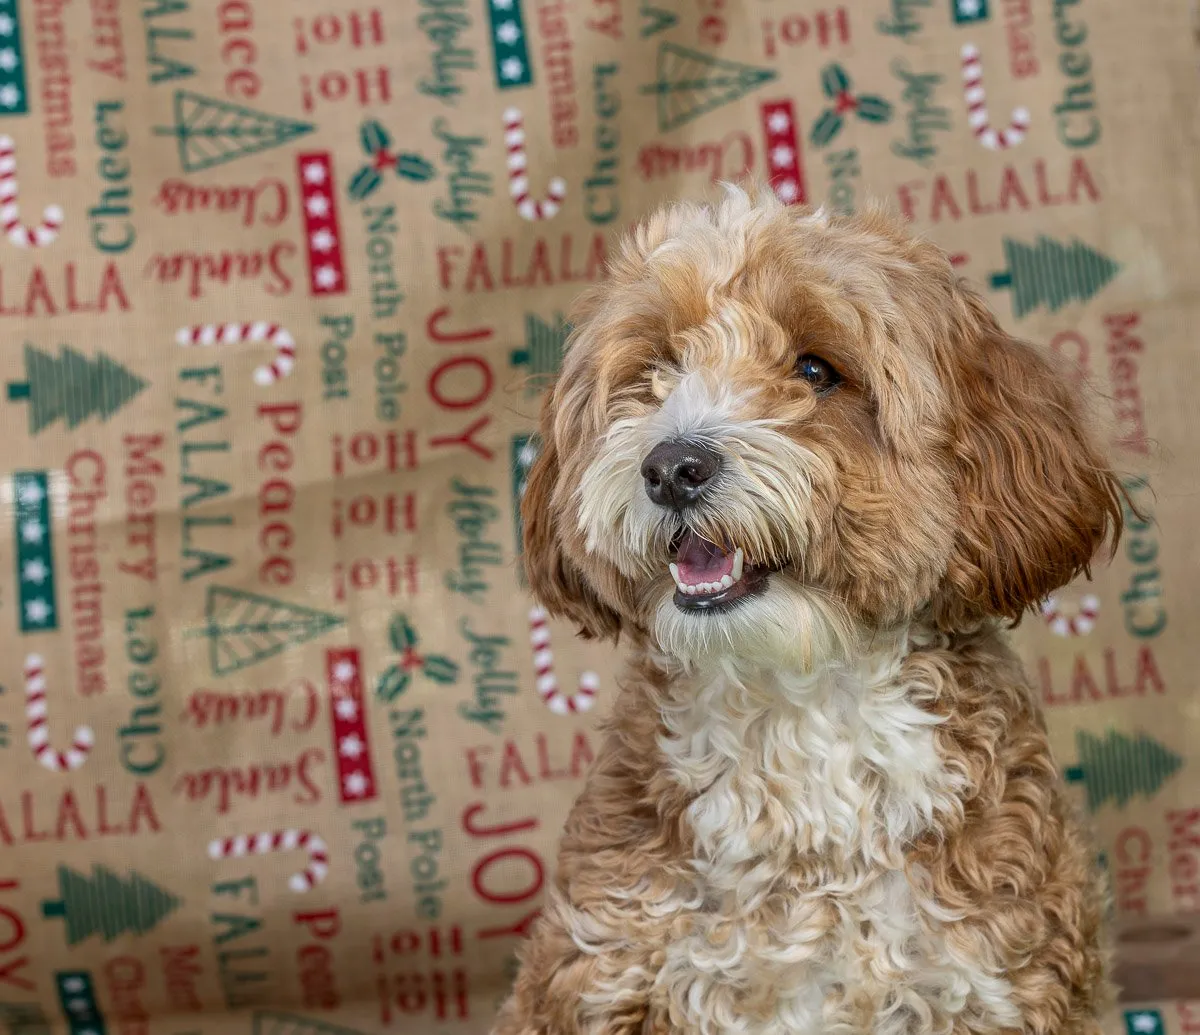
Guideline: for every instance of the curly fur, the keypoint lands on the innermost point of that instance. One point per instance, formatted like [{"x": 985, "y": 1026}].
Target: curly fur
[{"x": 833, "y": 807}]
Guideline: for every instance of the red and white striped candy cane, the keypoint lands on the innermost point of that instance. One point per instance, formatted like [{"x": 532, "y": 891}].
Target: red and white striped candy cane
[
  {"x": 518, "y": 178},
  {"x": 39, "y": 733},
  {"x": 547, "y": 681},
  {"x": 10, "y": 216},
  {"x": 1072, "y": 625},
  {"x": 278, "y": 841},
  {"x": 236, "y": 333},
  {"x": 977, "y": 113}
]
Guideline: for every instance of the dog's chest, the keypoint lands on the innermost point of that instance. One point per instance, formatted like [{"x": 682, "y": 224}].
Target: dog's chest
[{"x": 805, "y": 797}]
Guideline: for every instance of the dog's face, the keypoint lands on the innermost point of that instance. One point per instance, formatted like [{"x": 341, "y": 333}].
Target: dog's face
[{"x": 775, "y": 432}]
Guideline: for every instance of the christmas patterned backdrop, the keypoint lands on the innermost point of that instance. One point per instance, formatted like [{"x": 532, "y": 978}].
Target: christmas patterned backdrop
[{"x": 286, "y": 745}]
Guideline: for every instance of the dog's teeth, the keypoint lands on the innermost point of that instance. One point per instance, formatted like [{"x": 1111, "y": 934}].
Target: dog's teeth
[
  {"x": 738, "y": 559},
  {"x": 673, "y": 568},
  {"x": 726, "y": 581}
]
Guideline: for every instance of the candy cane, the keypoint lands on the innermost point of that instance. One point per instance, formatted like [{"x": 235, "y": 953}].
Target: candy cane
[
  {"x": 518, "y": 181},
  {"x": 278, "y": 841},
  {"x": 977, "y": 117},
  {"x": 39, "y": 734},
  {"x": 10, "y": 216},
  {"x": 235, "y": 333},
  {"x": 547, "y": 682},
  {"x": 1077, "y": 625}
]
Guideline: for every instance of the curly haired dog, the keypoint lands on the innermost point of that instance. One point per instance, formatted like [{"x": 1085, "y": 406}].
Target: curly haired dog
[{"x": 797, "y": 463}]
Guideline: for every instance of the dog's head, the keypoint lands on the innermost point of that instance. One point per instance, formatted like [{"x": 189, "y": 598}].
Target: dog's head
[{"x": 776, "y": 430}]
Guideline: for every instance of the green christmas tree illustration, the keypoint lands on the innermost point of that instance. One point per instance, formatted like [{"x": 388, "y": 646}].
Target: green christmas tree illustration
[
  {"x": 276, "y": 1022},
  {"x": 210, "y": 131},
  {"x": 1118, "y": 767},
  {"x": 691, "y": 83},
  {"x": 544, "y": 343},
  {"x": 105, "y": 904},
  {"x": 72, "y": 387},
  {"x": 1052, "y": 274},
  {"x": 245, "y": 628}
]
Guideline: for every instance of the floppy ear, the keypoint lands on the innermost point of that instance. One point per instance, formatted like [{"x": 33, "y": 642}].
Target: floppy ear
[
  {"x": 557, "y": 584},
  {"x": 1036, "y": 498}
]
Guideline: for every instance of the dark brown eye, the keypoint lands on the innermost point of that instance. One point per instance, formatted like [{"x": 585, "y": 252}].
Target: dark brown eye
[{"x": 817, "y": 373}]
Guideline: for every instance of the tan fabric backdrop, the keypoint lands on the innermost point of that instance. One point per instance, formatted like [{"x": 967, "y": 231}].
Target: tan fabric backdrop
[{"x": 277, "y": 294}]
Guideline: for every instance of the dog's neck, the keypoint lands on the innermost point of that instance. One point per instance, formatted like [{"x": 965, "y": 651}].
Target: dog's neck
[{"x": 839, "y": 762}]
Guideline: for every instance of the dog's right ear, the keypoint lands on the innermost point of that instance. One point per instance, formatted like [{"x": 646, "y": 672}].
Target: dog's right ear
[{"x": 558, "y": 584}]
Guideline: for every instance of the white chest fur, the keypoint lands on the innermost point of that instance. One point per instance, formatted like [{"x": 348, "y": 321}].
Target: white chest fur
[{"x": 807, "y": 790}]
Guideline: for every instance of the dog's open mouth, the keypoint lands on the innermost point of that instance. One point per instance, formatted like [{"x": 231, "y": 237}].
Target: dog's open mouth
[{"x": 709, "y": 577}]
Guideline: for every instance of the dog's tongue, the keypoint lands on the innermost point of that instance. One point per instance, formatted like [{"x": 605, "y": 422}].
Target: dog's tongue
[{"x": 699, "y": 560}]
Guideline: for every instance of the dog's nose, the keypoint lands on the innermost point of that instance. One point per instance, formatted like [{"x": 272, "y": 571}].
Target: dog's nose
[{"x": 676, "y": 473}]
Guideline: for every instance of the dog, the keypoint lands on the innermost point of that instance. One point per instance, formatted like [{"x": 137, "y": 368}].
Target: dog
[{"x": 793, "y": 460}]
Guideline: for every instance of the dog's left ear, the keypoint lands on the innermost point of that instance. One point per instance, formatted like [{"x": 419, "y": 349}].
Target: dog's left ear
[
  {"x": 1036, "y": 499},
  {"x": 557, "y": 584}
]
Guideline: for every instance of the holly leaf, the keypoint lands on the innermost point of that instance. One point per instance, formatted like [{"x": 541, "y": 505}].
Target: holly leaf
[
  {"x": 374, "y": 138},
  {"x": 414, "y": 167},
  {"x": 873, "y": 109},
  {"x": 825, "y": 128},
  {"x": 401, "y": 634},
  {"x": 364, "y": 182},
  {"x": 393, "y": 681},
  {"x": 834, "y": 80},
  {"x": 440, "y": 669}
]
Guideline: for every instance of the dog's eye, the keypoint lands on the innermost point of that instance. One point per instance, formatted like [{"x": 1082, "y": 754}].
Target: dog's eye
[{"x": 817, "y": 373}]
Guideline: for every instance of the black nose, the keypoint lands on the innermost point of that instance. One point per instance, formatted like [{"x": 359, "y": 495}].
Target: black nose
[{"x": 676, "y": 472}]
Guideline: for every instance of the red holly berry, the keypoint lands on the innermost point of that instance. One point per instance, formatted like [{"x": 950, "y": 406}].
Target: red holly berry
[
  {"x": 384, "y": 159},
  {"x": 844, "y": 102},
  {"x": 410, "y": 659}
]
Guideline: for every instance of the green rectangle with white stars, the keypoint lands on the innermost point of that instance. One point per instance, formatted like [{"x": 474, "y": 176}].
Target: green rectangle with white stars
[
  {"x": 34, "y": 540},
  {"x": 510, "y": 51},
  {"x": 14, "y": 95},
  {"x": 1144, "y": 1022},
  {"x": 77, "y": 998},
  {"x": 967, "y": 12}
]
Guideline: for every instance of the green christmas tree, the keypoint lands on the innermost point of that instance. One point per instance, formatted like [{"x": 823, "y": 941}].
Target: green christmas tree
[
  {"x": 544, "y": 343},
  {"x": 72, "y": 387},
  {"x": 275, "y": 1022},
  {"x": 210, "y": 131},
  {"x": 1118, "y": 767},
  {"x": 105, "y": 904},
  {"x": 691, "y": 83},
  {"x": 1052, "y": 274},
  {"x": 245, "y": 628}
]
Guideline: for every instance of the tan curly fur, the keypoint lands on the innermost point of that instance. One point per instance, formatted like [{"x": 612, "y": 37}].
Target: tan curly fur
[{"x": 831, "y": 807}]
